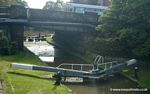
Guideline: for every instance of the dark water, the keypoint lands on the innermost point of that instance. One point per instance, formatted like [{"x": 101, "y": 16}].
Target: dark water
[
  {"x": 104, "y": 86},
  {"x": 95, "y": 87}
]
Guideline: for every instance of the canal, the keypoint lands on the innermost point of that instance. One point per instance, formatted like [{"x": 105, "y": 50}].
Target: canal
[{"x": 103, "y": 86}]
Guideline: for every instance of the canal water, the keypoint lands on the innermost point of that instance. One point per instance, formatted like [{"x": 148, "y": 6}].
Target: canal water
[
  {"x": 42, "y": 49},
  {"x": 103, "y": 86}
]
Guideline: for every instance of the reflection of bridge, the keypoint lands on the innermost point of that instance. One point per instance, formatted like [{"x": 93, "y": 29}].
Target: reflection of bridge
[
  {"x": 14, "y": 18},
  {"x": 94, "y": 73}
]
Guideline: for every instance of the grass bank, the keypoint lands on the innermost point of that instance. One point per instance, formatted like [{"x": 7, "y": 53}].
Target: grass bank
[
  {"x": 49, "y": 39},
  {"x": 20, "y": 81},
  {"x": 143, "y": 75}
]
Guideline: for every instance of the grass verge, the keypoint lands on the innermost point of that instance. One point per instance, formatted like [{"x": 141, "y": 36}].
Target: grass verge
[
  {"x": 20, "y": 81},
  {"x": 49, "y": 39},
  {"x": 143, "y": 75}
]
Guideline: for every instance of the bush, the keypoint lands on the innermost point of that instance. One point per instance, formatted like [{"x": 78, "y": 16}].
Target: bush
[
  {"x": 6, "y": 47},
  {"x": 111, "y": 47},
  {"x": 143, "y": 51}
]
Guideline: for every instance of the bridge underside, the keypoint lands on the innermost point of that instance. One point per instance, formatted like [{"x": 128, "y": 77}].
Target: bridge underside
[
  {"x": 64, "y": 32},
  {"x": 71, "y": 27},
  {"x": 55, "y": 26}
]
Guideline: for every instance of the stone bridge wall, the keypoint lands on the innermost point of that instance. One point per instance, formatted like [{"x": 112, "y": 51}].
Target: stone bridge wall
[
  {"x": 61, "y": 16},
  {"x": 19, "y": 12}
]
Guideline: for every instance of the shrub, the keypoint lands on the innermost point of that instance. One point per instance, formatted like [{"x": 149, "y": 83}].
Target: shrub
[{"x": 6, "y": 47}]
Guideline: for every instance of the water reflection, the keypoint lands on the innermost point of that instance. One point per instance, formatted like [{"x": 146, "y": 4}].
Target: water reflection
[{"x": 104, "y": 86}]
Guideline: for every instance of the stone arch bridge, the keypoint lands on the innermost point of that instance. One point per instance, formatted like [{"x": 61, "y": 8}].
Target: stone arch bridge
[{"x": 14, "y": 18}]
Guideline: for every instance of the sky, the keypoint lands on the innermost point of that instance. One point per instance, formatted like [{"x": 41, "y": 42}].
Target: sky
[{"x": 39, "y": 3}]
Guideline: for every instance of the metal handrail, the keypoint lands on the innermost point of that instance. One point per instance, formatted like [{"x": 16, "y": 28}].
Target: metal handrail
[
  {"x": 106, "y": 67},
  {"x": 73, "y": 65},
  {"x": 99, "y": 60}
]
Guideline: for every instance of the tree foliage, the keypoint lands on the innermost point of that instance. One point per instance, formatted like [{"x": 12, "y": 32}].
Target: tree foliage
[
  {"x": 13, "y": 2},
  {"x": 128, "y": 23},
  {"x": 6, "y": 47},
  {"x": 57, "y": 6}
]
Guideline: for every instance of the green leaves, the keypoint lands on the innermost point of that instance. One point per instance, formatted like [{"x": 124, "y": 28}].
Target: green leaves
[
  {"x": 143, "y": 50},
  {"x": 57, "y": 6},
  {"x": 6, "y": 47},
  {"x": 128, "y": 23},
  {"x": 13, "y": 2}
]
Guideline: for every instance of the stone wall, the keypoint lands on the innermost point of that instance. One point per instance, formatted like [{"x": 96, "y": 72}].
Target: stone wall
[
  {"x": 16, "y": 30},
  {"x": 60, "y": 16}
]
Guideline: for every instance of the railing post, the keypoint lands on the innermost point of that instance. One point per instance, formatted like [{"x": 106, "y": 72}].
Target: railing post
[
  {"x": 98, "y": 59},
  {"x": 111, "y": 64},
  {"x": 72, "y": 66},
  {"x": 81, "y": 67},
  {"x": 105, "y": 66}
]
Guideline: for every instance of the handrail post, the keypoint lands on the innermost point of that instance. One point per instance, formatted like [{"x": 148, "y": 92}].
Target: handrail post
[
  {"x": 81, "y": 67},
  {"x": 111, "y": 64},
  {"x": 105, "y": 66},
  {"x": 72, "y": 66}
]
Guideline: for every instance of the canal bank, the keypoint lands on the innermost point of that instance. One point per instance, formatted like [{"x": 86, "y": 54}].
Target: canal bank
[
  {"x": 143, "y": 77},
  {"x": 20, "y": 81}
]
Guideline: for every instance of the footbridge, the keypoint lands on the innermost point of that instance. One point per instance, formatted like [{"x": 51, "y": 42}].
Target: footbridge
[
  {"x": 14, "y": 18},
  {"x": 99, "y": 71}
]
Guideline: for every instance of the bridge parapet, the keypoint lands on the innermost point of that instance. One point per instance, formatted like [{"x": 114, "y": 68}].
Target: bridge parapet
[
  {"x": 20, "y": 12},
  {"x": 13, "y": 12},
  {"x": 4, "y": 12},
  {"x": 61, "y": 16}
]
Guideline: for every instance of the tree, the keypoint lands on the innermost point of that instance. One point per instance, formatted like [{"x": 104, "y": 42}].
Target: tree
[
  {"x": 13, "y": 2},
  {"x": 57, "y": 6},
  {"x": 127, "y": 22},
  {"x": 6, "y": 47}
]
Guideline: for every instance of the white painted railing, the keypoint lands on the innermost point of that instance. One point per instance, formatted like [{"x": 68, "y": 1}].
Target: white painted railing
[
  {"x": 75, "y": 65},
  {"x": 99, "y": 61}
]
